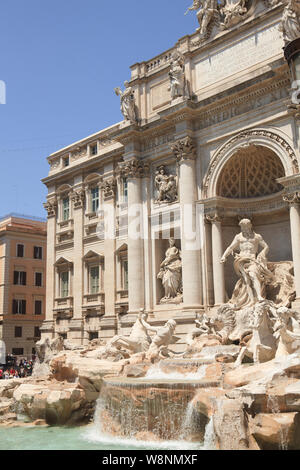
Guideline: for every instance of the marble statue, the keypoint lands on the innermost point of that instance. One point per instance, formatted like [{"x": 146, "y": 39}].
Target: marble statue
[
  {"x": 205, "y": 14},
  {"x": 287, "y": 332},
  {"x": 166, "y": 186},
  {"x": 250, "y": 265},
  {"x": 163, "y": 337},
  {"x": 128, "y": 107},
  {"x": 262, "y": 344},
  {"x": 178, "y": 82},
  {"x": 233, "y": 11},
  {"x": 138, "y": 340},
  {"x": 290, "y": 23},
  {"x": 171, "y": 274}
]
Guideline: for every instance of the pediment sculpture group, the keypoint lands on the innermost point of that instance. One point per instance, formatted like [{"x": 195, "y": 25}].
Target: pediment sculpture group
[{"x": 210, "y": 13}]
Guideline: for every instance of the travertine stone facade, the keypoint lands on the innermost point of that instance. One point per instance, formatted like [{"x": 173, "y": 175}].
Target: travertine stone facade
[
  {"x": 229, "y": 149},
  {"x": 23, "y": 254}
]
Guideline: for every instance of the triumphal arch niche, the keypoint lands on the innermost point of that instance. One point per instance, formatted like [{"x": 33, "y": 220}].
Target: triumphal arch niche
[{"x": 245, "y": 180}]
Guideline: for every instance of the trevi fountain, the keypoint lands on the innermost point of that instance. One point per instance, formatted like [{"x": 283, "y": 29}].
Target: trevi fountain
[{"x": 224, "y": 375}]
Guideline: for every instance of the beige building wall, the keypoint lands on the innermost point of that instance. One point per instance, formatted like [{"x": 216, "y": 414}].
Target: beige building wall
[{"x": 29, "y": 233}]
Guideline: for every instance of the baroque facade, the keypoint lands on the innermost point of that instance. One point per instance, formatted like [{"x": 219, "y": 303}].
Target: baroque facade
[{"x": 208, "y": 139}]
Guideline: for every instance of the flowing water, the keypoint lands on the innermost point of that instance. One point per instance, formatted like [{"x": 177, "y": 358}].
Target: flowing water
[{"x": 274, "y": 408}]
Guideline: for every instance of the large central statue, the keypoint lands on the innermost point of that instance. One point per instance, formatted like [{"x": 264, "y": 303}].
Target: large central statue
[{"x": 250, "y": 264}]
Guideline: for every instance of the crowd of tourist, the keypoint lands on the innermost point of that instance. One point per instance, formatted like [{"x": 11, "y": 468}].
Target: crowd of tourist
[{"x": 16, "y": 369}]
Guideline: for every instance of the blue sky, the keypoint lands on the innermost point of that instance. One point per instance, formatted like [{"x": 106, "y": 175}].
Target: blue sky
[{"x": 60, "y": 61}]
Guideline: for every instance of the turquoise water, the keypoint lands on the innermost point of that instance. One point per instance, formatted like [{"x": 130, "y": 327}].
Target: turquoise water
[{"x": 80, "y": 438}]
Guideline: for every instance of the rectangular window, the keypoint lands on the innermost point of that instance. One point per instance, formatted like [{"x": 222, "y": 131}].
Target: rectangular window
[
  {"x": 38, "y": 252},
  {"x": 38, "y": 279},
  {"x": 19, "y": 278},
  {"x": 66, "y": 161},
  {"x": 95, "y": 199},
  {"x": 93, "y": 335},
  {"x": 19, "y": 307},
  {"x": 20, "y": 251},
  {"x": 94, "y": 149},
  {"x": 37, "y": 333},
  {"x": 125, "y": 275},
  {"x": 64, "y": 279},
  {"x": 38, "y": 307},
  {"x": 125, "y": 190},
  {"x": 17, "y": 351},
  {"x": 18, "y": 332},
  {"x": 94, "y": 279},
  {"x": 66, "y": 209}
]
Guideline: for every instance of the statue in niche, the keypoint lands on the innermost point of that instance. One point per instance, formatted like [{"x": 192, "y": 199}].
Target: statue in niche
[
  {"x": 128, "y": 107},
  {"x": 290, "y": 23},
  {"x": 250, "y": 265},
  {"x": 233, "y": 11},
  {"x": 171, "y": 274},
  {"x": 207, "y": 9},
  {"x": 166, "y": 186},
  {"x": 178, "y": 82}
]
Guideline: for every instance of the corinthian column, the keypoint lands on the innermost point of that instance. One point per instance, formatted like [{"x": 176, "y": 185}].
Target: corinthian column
[
  {"x": 134, "y": 170},
  {"x": 217, "y": 253},
  {"x": 185, "y": 152},
  {"x": 294, "y": 201}
]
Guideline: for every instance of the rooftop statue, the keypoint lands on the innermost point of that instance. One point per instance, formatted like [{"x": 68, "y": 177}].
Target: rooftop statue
[
  {"x": 233, "y": 11},
  {"x": 205, "y": 14},
  {"x": 171, "y": 274},
  {"x": 178, "y": 82},
  {"x": 128, "y": 108},
  {"x": 290, "y": 23},
  {"x": 250, "y": 265}
]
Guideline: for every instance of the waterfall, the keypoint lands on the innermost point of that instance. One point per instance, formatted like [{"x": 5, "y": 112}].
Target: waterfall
[
  {"x": 148, "y": 409},
  {"x": 210, "y": 436},
  {"x": 155, "y": 372},
  {"x": 274, "y": 408}
]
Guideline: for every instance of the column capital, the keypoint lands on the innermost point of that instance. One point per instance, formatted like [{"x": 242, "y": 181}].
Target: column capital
[
  {"x": 134, "y": 168},
  {"x": 292, "y": 198},
  {"x": 51, "y": 207},
  {"x": 213, "y": 217},
  {"x": 184, "y": 149},
  {"x": 109, "y": 188},
  {"x": 78, "y": 198}
]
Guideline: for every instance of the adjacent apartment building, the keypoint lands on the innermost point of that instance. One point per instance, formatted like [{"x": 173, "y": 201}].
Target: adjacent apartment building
[{"x": 23, "y": 243}]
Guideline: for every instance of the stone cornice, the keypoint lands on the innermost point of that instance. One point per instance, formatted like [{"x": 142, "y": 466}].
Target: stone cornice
[{"x": 225, "y": 207}]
